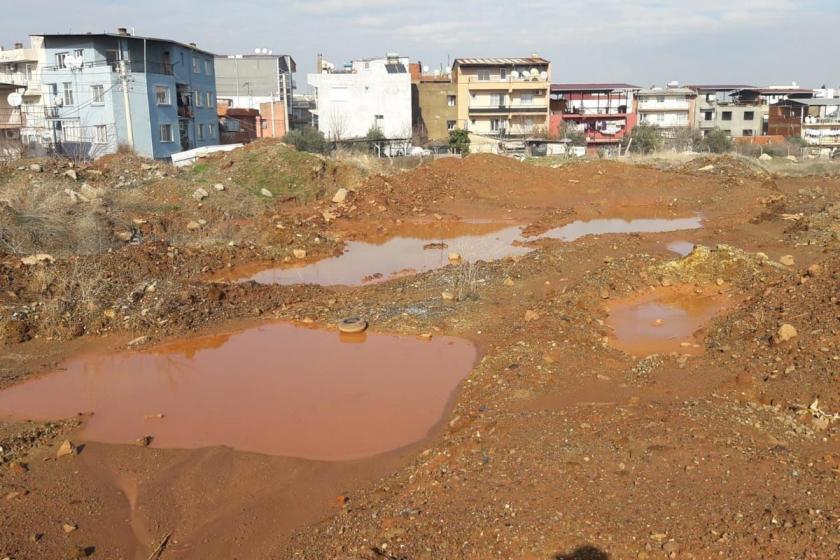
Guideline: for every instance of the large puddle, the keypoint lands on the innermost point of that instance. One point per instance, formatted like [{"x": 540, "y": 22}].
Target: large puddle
[
  {"x": 663, "y": 320},
  {"x": 428, "y": 249},
  {"x": 276, "y": 389}
]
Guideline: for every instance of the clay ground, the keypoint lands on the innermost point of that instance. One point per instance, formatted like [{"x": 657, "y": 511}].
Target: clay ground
[{"x": 556, "y": 446}]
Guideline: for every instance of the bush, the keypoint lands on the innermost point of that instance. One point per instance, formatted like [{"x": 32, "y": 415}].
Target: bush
[
  {"x": 645, "y": 139},
  {"x": 716, "y": 141},
  {"x": 375, "y": 139},
  {"x": 459, "y": 140},
  {"x": 307, "y": 139}
]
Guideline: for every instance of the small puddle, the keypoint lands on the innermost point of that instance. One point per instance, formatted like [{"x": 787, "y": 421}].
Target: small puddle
[
  {"x": 277, "y": 389},
  {"x": 663, "y": 320},
  {"x": 428, "y": 246},
  {"x": 682, "y": 248}
]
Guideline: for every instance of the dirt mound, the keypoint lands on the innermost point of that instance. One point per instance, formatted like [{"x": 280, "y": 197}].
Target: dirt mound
[
  {"x": 727, "y": 166},
  {"x": 704, "y": 265}
]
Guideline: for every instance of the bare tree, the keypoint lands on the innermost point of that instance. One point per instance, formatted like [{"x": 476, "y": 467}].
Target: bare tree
[{"x": 339, "y": 124}]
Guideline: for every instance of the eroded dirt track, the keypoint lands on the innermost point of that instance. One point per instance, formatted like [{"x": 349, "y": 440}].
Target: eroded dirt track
[{"x": 557, "y": 444}]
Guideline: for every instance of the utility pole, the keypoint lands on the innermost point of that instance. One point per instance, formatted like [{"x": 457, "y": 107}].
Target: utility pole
[
  {"x": 286, "y": 103},
  {"x": 126, "y": 103},
  {"x": 273, "y": 118}
]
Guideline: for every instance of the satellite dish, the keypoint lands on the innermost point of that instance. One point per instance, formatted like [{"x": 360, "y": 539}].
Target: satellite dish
[
  {"x": 543, "y": 75},
  {"x": 14, "y": 99},
  {"x": 257, "y": 50},
  {"x": 534, "y": 72},
  {"x": 73, "y": 62},
  {"x": 514, "y": 75},
  {"x": 425, "y": 69}
]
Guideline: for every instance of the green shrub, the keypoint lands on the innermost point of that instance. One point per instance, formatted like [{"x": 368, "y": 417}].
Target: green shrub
[
  {"x": 645, "y": 139},
  {"x": 307, "y": 139},
  {"x": 716, "y": 141},
  {"x": 459, "y": 140}
]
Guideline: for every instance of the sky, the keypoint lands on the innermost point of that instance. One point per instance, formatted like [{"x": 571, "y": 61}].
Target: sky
[{"x": 643, "y": 42}]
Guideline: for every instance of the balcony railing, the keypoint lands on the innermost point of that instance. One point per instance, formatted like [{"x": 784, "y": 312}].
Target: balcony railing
[{"x": 507, "y": 108}]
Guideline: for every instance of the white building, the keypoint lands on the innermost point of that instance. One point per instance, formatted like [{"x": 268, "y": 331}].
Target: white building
[
  {"x": 669, "y": 109},
  {"x": 20, "y": 72},
  {"x": 366, "y": 94}
]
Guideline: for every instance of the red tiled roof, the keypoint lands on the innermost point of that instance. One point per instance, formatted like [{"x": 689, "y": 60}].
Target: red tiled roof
[{"x": 591, "y": 87}]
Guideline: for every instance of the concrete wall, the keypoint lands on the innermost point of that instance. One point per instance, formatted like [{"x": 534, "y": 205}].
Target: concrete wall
[
  {"x": 734, "y": 118},
  {"x": 249, "y": 80},
  {"x": 434, "y": 114}
]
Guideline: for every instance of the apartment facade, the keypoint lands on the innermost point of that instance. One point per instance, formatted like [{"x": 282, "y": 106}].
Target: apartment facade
[
  {"x": 434, "y": 107},
  {"x": 737, "y": 110},
  {"x": 252, "y": 80},
  {"x": 502, "y": 96},
  {"x": 604, "y": 113},
  {"x": 20, "y": 73},
  {"x": 107, "y": 90},
  {"x": 364, "y": 95},
  {"x": 817, "y": 121},
  {"x": 670, "y": 109}
]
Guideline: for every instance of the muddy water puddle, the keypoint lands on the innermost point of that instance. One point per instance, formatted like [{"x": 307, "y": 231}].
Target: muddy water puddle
[
  {"x": 663, "y": 320},
  {"x": 682, "y": 248},
  {"x": 429, "y": 247},
  {"x": 277, "y": 389}
]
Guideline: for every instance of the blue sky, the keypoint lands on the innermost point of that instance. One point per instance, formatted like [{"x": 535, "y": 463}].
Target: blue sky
[{"x": 639, "y": 41}]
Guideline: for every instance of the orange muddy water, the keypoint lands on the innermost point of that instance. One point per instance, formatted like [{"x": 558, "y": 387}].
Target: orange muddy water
[
  {"x": 364, "y": 262},
  {"x": 276, "y": 389},
  {"x": 663, "y": 320}
]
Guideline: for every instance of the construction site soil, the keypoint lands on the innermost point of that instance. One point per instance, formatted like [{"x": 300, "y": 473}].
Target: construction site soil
[{"x": 562, "y": 442}]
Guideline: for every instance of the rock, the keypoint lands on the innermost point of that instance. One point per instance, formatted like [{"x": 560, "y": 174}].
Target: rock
[
  {"x": 665, "y": 282},
  {"x": 670, "y": 547},
  {"x": 66, "y": 448},
  {"x": 340, "y": 195},
  {"x": 426, "y": 336},
  {"x": 327, "y": 215},
  {"x": 74, "y": 196},
  {"x": 786, "y": 332},
  {"x": 144, "y": 441},
  {"x": 139, "y": 221},
  {"x": 36, "y": 167},
  {"x": 69, "y": 527},
  {"x": 765, "y": 157},
  {"x": 123, "y": 235},
  {"x": 706, "y": 168},
  {"x": 193, "y": 225},
  {"x": 147, "y": 167},
  {"x": 219, "y": 187},
  {"x": 16, "y": 467},
  {"x": 200, "y": 194},
  {"x": 447, "y": 295},
  {"x": 792, "y": 158},
  {"x": 138, "y": 340},
  {"x": 719, "y": 282},
  {"x": 266, "y": 193},
  {"x": 454, "y": 257},
  {"x": 90, "y": 192},
  {"x": 299, "y": 253},
  {"x": 38, "y": 258},
  {"x": 605, "y": 294},
  {"x": 787, "y": 260},
  {"x": 72, "y": 174},
  {"x": 531, "y": 315},
  {"x": 508, "y": 281}
]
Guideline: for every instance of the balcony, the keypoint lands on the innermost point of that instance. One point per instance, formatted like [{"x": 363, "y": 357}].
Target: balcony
[
  {"x": 534, "y": 108},
  {"x": 509, "y": 84}
]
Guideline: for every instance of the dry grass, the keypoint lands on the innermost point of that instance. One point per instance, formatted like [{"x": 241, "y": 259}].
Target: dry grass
[{"x": 75, "y": 295}]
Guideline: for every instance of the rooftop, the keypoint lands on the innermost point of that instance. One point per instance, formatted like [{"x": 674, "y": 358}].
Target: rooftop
[
  {"x": 720, "y": 87},
  {"x": 830, "y": 102},
  {"x": 500, "y": 61},
  {"x": 667, "y": 91},
  {"x": 591, "y": 87},
  {"x": 121, "y": 36}
]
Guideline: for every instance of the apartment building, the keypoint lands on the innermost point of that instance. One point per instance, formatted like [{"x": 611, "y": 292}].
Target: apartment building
[
  {"x": 365, "y": 94},
  {"x": 604, "y": 113},
  {"x": 817, "y": 121},
  {"x": 254, "y": 80},
  {"x": 107, "y": 90},
  {"x": 738, "y": 110},
  {"x": 434, "y": 106},
  {"x": 502, "y": 96},
  {"x": 670, "y": 109},
  {"x": 20, "y": 73}
]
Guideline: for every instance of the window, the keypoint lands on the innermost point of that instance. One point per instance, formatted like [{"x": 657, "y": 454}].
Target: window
[
  {"x": 71, "y": 130},
  {"x": 100, "y": 132},
  {"x": 28, "y": 71},
  {"x": 450, "y": 125},
  {"x": 208, "y": 67},
  {"x": 660, "y": 99},
  {"x": 196, "y": 67},
  {"x": 450, "y": 100},
  {"x": 162, "y": 95},
  {"x": 209, "y": 99},
  {"x": 166, "y": 133},
  {"x": 503, "y": 73},
  {"x": 526, "y": 99},
  {"x": 495, "y": 125},
  {"x": 211, "y": 130},
  {"x": 60, "y": 59},
  {"x": 201, "y": 132},
  {"x": 747, "y": 132},
  {"x": 97, "y": 94},
  {"x": 199, "y": 99},
  {"x": 68, "y": 93},
  {"x": 749, "y": 115},
  {"x": 79, "y": 53},
  {"x": 484, "y": 75},
  {"x": 726, "y": 115},
  {"x": 708, "y": 115},
  {"x": 497, "y": 100}
]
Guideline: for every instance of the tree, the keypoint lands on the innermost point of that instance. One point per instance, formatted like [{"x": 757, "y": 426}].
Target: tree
[
  {"x": 685, "y": 139},
  {"x": 645, "y": 139},
  {"x": 574, "y": 134},
  {"x": 459, "y": 140},
  {"x": 307, "y": 139},
  {"x": 375, "y": 139},
  {"x": 716, "y": 141}
]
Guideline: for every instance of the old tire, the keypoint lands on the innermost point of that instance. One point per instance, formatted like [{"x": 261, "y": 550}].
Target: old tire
[{"x": 352, "y": 325}]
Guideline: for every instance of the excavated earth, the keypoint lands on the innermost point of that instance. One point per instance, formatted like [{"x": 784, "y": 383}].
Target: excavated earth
[{"x": 564, "y": 441}]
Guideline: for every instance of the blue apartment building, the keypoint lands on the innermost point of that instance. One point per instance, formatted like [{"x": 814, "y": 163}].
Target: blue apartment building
[{"x": 109, "y": 91}]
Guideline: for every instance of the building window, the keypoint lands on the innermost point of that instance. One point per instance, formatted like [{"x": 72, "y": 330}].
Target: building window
[
  {"x": 71, "y": 131},
  {"x": 97, "y": 94},
  {"x": 450, "y": 125},
  {"x": 79, "y": 53},
  {"x": 201, "y": 132},
  {"x": 196, "y": 67},
  {"x": 166, "y": 133},
  {"x": 208, "y": 67},
  {"x": 526, "y": 99},
  {"x": 100, "y": 134},
  {"x": 495, "y": 125},
  {"x": 198, "y": 99},
  {"x": 749, "y": 115},
  {"x": 497, "y": 99},
  {"x": 484, "y": 75},
  {"x": 503, "y": 73},
  {"x": 708, "y": 115},
  {"x": 727, "y": 115},
  {"x": 68, "y": 93},
  {"x": 211, "y": 130},
  {"x": 660, "y": 99},
  {"x": 209, "y": 98},
  {"x": 60, "y": 59},
  {"x": 747, "y": 132},
  {"x": 450, "y": 100},
  {"x": 162, "y": 95}
]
